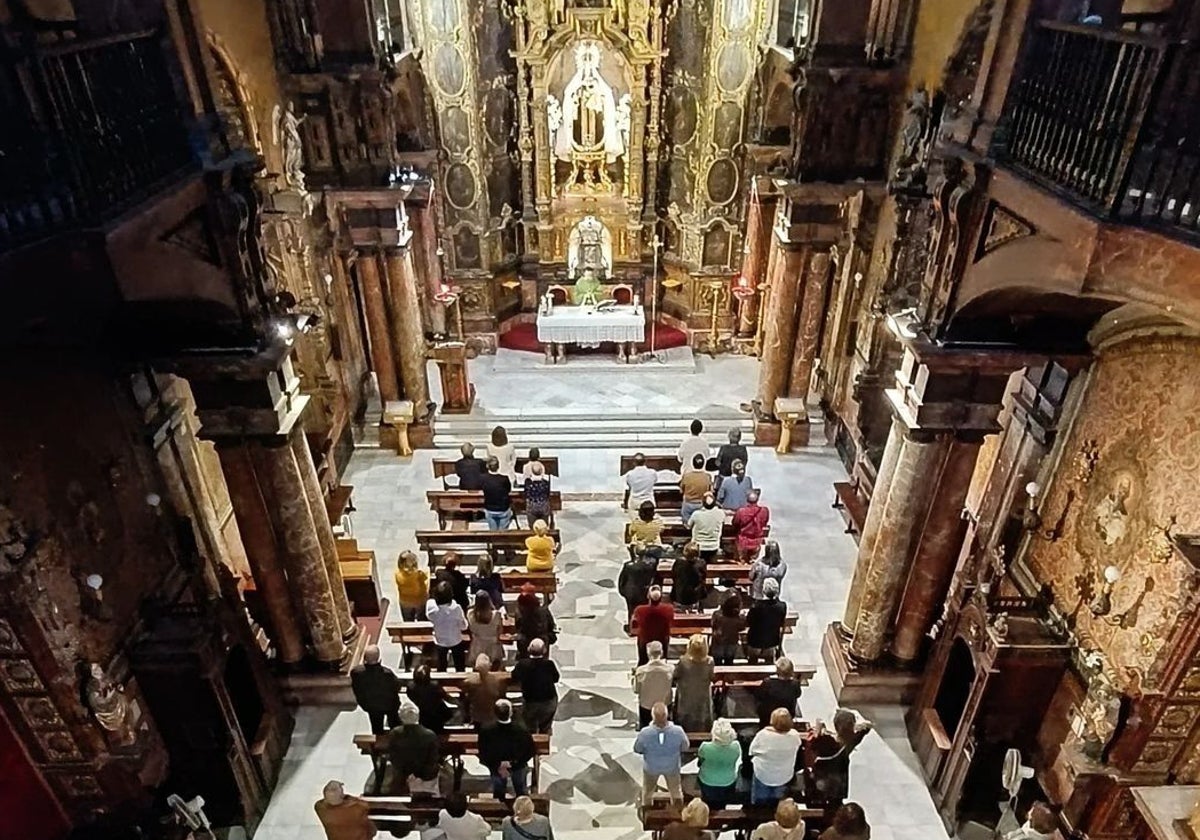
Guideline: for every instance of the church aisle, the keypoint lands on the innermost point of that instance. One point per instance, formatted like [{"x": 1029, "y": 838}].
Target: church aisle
[{"x": 592, "y": 775}]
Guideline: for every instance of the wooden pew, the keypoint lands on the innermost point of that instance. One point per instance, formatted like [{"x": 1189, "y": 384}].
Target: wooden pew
[
  {"x": 701, "y": 622},
  {"x": 851, "y": 503},
  {"x": 463, "y": 505},
  {"x": 739, "y": 573},
  {"x": 360, "y": 577},
  {"x": 662, "y": 463},
  {"x": 399, "y": 812},
  {"x": 418, "y": 634},
  {"x": 455, "y": 745},
  {"x": 443, "y": 468},
  {"x": 677, "y": 534},
  {"x": 506, "y": 548},
  {"x": 740, "y": 819}
]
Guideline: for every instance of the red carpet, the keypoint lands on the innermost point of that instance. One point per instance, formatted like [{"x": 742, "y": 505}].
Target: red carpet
[{"x": 524, "y": 337}]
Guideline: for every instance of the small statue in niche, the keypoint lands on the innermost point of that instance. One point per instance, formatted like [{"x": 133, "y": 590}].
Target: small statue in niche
[
  {"x": 1099, "y": 716},
  {"x": 286, "y": 134},
  {"x": 1111, "y": 512},
  {"x": 624, "y": 117},
  {"x": 109, "y": 705},
  {"x": 553, "y": 114},
  {"x": 916, "y": 123}
]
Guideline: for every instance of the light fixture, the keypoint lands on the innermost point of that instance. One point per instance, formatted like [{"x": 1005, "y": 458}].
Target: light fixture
[
  {"x": 94, "y": 582},
  {"x": 153, "y": 499},
  {"x": 284, "y": 330},
  {"x": 1101, "y": 605}
]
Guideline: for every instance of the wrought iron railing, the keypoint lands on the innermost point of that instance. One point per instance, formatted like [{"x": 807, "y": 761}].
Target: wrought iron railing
[
  {"x": 88, "y": 129},
  {"x": 1110, "y": 119}
]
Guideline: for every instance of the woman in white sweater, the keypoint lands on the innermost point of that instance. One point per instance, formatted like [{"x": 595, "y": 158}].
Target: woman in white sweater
[
  {"x": 773, "y": 754},
  {"x": 457, "y": 823}
]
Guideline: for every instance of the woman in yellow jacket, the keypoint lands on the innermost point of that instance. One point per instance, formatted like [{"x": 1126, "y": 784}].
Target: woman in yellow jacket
[
  {"x": 412, "y": 585},
  {"x": 540, "y": 549}
]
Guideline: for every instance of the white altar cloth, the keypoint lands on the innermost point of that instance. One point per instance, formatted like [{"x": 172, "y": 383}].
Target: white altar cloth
[{"x": 584, "y": 325}]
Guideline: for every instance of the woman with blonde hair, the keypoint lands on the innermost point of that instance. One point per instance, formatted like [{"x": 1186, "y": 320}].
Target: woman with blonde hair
[
  {"x": 525, "y": 823},
  {"x": 691, "y": 825},
  {"x": 773, "y": 753},
  {"x": 719, "y": 760},
  {"x": 484, "y": 623},
  {"x": 787, "y": 824},
  {"x": 412, "y": 586},
  {"x": 693, "y": 680},
  {"x": 540, "y": 548}
]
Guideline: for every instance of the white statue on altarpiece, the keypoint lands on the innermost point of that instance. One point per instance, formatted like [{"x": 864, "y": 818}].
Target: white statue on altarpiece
[
  {"x": 589, "y": 248},
  {"x": 589, "y": 110}
]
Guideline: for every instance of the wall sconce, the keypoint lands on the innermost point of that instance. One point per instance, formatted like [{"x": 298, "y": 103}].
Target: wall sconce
[
  {"x": 1031, "y": 517},
  {"x": 448, "y": 296},
  {"x": 1101, "y": 605},
  {"x": 93, "y": 603}
]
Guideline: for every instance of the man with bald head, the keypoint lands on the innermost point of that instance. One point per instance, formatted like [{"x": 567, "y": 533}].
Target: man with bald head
[
  {"x": 343, "y": 817},
  {"x": 377, "y": 691},
  {"x": 661, "y": 746},
  {"x": 469, "y": 469}
]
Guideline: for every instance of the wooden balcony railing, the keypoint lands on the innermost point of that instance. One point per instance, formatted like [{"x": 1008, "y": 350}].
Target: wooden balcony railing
[
  {"x": 1111, "y": 120},
  {"x": 89, "y": 129}
]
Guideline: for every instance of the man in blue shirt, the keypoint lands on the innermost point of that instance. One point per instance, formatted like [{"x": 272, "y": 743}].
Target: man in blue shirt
[
  {"x": 735, "y": 490},
  {"x": 661, "y": 746}
]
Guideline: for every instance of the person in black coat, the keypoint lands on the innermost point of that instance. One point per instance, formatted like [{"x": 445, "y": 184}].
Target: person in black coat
[
  {"x": 781, "y": 691},
  {"x": 431, "y": 699},
  {"x": 637, "y": 575},
  {"x": 376, "y": 691},
  {"x": 506, "y": 749},
  {"x": 469, "y": 469},
  {"x": 687, "y": 578},
  {"x": 415, "y": 754},
  {"x": 764, "y": 624},
  {"x": 459, "y": 584}
]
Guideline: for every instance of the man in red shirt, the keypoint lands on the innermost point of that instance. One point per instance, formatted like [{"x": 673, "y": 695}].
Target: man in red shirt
[
  {"x": 750, "y": 525},
  {"x": 652, "y": 623}
]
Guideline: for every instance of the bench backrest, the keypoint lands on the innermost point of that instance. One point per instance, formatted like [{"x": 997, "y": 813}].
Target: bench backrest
[
  {"x": 443, "y": 467},
  {"x": 668, "y": 463},
  {"x": 455, "y": 743}
]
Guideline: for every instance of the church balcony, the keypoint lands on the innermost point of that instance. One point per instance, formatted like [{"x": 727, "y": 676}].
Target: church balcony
[
  {"x": 1110, "y": 121},
  {"x": 90, "y": 129}
]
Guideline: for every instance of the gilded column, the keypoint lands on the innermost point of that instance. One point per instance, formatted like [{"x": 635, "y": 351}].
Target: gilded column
[
  {"x": 329, "y": 553},
  {"x": 808, "y": 324},
  {"x": 907, "y": 501},
  {"x": 258, "y": 538},
  {"x": 779, "y": 331},
  {"x": 409, "y": 332},
  {"x": 379, "y": 334},
  {"x": 937, "y": 550},
  {"x": 275, "y": 464},
  {"x": 870, "y": 531}
]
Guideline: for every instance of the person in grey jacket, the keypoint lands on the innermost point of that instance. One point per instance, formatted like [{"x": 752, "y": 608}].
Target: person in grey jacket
[
  {"x": 525, "y": 823},
  {"x": 769, "y": 566}
]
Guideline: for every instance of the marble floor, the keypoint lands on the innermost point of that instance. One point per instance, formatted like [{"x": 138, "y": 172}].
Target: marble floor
[{"x": 592, "y": 775}]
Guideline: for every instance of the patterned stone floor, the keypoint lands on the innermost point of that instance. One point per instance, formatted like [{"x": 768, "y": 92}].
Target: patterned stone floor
[{"x": 592, "y": 775}]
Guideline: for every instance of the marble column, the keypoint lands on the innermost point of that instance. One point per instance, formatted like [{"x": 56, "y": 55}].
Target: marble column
[
  {"x": 258, "y": 538},
  {"x": 937, "y": 549},
  {"x": 870, "y": 531},
  {"x": 379, "y": 333},
  {"x": 275, "y": 464},
  {"x": 329, "y": 553},
  {"x": 808, "y": 324},
  {"x": 409, "y": 330},
  {"x": 779, "y": 336},
  {"x": 905, "y": 505},
  {"x": 754, "y": 258},
  {"x": 429, "y": 265}
]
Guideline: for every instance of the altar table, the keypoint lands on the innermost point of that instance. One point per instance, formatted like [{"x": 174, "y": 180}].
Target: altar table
[{"x": 584, "y": 325}]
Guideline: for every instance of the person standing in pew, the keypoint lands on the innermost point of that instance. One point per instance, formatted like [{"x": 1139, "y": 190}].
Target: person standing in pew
[
  {"x": 730, "y": 452},
  {"x": 661, "y": 746},
  {"x": 849, "y": 823},
  {"x": 538, "y": 677},
  {"x": 533, "y": 621},
  {"x": 735, "y": 490},
  {"x": 639, "y": 485},
  {"x": 431, "y": 700},
  {"x": 693, "y": 679},
  {"x": 637, "y": 575},
  {"x": 687, "y": 578},
  {"x": 450, "y": 575},
  {"x": 535, "y": 457},
  {"x": 694, "y": 484},
  {"x": 787, "y": 825},
  {"x": 692, "y": 823},
  {"x": 457, "y": 823},
  {"x": 719, "y": 759},
  {"x": 376, "y": 691},
  {"x": 773, "y": 755},
  {"x": 750, "y": 524},
  {"x": 727, "y": 627},
  {"x": 694, "y": 444},
  {"x": 412, "y": 586},
  {"x": 486, "y": 579},
  {"x": 415, "y": 755},
  {"x": 497, "y": 497},
  {"x": 652, "y": 682},
  {"x": 781, "y": 691},
  {"x": 525, "y": 823},
  {"x": 481, "y": 689},
  {"x": 540, "y": 548},
  {"x": 768, "y": 567},
  {"x": 764, "y": 624},
  {"x": 484, "y": 623},
  {"x": 652, "y": 622},
  {"x": 706, "y": 525},
  {"x": 469, "y": 469},
  {"x": 537, "y": 494},
  {"x": 503, "y": 451},
  {"x": 343, "y": 817},
  {"x": 645, "y": 531},
  {"x": 449, "y": 624},
  {"x": 506, "y": 749}
]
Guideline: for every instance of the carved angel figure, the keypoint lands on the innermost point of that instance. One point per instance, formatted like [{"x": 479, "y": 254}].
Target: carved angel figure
[
  {"x": 286, "y": 134},
  {"x": 553, "y": 113},
  {"x": 916, "y": 122},
  {"x": 110, "y": 706},
  {"x": 624, "y": 117}
]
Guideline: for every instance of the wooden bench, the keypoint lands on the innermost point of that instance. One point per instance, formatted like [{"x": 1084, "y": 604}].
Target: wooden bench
[
  {"x": 419, "y": 634},
  {"x": 463, "y": 505},
  {"x": 661, "y": 463},
  {"x": 701, "y": 622},
  {"x": 455, "y": 745},
  {"x": 399, "y": 812},
  {"x": 738, "y": 573},
  {"x": 443, "y": 468},
  {"x": 743, "y": 819},
  {"x": 505, "y": 548},
  {"x": 851, "y": 504},
  {"x": 677, "y": 534}
]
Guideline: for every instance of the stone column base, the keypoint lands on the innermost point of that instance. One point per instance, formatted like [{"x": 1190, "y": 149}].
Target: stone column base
[
  {"x": 767, "y": 431},
  {"x": 855, "y": 684}
]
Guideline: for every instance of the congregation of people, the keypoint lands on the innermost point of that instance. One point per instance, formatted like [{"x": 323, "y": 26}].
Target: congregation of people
[{"x": 771, "y": 761}]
